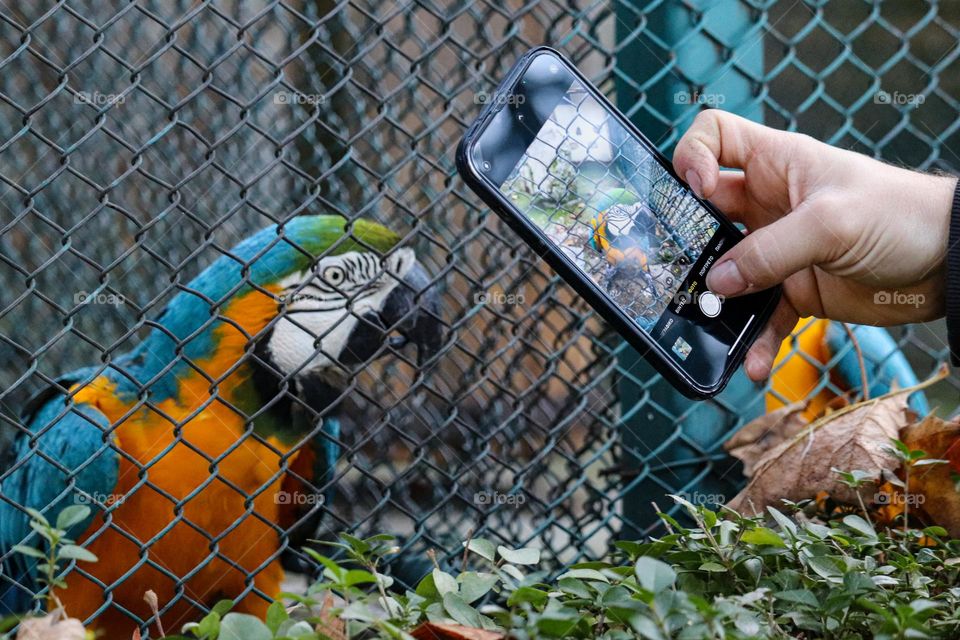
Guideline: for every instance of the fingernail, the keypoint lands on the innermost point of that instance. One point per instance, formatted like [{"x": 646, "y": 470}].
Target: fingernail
[
  {"x": 726, "y": 279},
  {"x": 693, "y": 179}
]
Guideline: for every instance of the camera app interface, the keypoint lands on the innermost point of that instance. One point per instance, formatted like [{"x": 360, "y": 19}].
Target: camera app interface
[{"x": 620, "y": 217}]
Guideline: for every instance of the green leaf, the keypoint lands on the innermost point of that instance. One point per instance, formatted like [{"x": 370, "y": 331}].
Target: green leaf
[
  {"x": 484, "y": 548},
  {"x": 474, "y": 586},
  {"x": 557, "y": 626},
  {"x": 709, "y": 518},
  {"x": 575, "y": 587},
  {"x": 74, "y": 552},
  {"x": 713, "y": 567},
  {"x": 859, "y": 525},
  {"x": 243, "y": 626},
  {"x": 276, "y": 615},
  {"x": 358, "y": 576},
  {"x": 445, "y": 583},
  {"x": 531, "y": 595},
  {"x": 782, "y": 520},
  {"x": 929, "y": 461},
  {"x": 823, "y": 566},
  {"x": 512, "y": 571},
  {"x": 526, "y": 555},
  {"x": 223, "y": 607},
  {"x": 763, "y": 536},
  {"x": 358, "y": 545},
  {"x": 209, "y": 627},
  {"x": 460, "y": 611},
  {"x": 28, "y": 551},
  {"x": 427, "y": 588},
  {"x": 654, "y": 575},
  {"x": 586, "y": 574},
  {"x": 37, "y": 516},
  {"x": 74, "y": 514},
  {"x": 798, "y": 596}
]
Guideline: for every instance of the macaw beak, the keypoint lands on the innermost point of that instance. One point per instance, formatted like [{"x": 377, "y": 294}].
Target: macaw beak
[
  {"x": 411, "y": 313},
  {"x": 413, "y": 310}
]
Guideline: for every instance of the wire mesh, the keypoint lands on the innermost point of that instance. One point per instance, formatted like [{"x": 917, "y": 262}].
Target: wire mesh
[{"x": 142, "y": 140}]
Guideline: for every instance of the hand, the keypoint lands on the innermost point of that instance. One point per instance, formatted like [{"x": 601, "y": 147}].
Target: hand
[{"x": 851, "y": 238}]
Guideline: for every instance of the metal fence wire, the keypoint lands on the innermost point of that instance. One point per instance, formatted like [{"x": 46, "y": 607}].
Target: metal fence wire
[{"x": 141, "y": 141}]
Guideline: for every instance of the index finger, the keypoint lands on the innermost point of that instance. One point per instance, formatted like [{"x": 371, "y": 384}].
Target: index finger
[{"x": 717, "y": 138}]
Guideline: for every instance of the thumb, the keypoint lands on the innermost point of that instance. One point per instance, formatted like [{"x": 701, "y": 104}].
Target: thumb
[{"x": 768, "y": 256}]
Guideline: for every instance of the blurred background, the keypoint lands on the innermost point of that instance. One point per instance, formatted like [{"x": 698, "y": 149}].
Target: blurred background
[{"x": 140, "y": 140}]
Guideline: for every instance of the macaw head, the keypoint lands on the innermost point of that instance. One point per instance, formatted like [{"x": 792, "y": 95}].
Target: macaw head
[
  {"x": 619, "y": 219},
  {"x": 317, "y": 296},
  {"x": 338, "y": 313}
]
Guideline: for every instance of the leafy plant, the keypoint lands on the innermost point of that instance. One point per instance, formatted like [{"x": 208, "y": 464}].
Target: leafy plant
[
  {"x": 58, "y": 548},
  {"x": 727, "y": 576}
]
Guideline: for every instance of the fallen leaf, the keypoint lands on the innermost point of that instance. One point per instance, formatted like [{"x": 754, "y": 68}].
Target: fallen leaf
[
  {"x": 330, "y": 625},
  {"x": 856, "y": 437},
  {"x": 934, "y": 483},
  {"x": 751, "y": 442},
  {"x": 51, "y": 627},
  {"x": 440, "y": 631}
]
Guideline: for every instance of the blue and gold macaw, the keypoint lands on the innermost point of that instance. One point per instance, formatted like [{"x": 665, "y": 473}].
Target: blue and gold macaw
[
  {"x": 622, "y": 228},
  {"x": 819, "y": 361},
  {"x": 203, "y": 449}
]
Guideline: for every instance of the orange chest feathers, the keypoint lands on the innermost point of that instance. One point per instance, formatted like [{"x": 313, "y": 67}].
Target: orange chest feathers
[{"x": 196, "y": 506}]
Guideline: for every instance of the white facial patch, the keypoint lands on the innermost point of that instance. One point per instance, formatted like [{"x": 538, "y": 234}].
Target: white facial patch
[
  {"x": 620, "y": 220},
  {"x": 323, "y": 306}
]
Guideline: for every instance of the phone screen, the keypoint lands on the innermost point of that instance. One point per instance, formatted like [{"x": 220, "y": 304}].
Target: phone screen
[{"x": 618, "y": 215}]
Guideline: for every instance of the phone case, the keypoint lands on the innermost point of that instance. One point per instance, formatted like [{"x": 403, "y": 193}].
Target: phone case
[{"x": 585, "y": 287}]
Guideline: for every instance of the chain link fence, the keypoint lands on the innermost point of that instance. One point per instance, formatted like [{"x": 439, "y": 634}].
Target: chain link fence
[{"x": 141, "y": 140}]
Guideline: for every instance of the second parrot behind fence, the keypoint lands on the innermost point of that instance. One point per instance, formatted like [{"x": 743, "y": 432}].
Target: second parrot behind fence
[{"x": 200, "y": 449}]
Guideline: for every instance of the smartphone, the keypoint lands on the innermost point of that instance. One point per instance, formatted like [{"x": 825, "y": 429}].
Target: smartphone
[{"x": 581, "y": 185}]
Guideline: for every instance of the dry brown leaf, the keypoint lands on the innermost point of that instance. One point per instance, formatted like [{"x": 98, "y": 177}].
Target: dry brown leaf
[
  {"x": 853, "y": 438},
  {"x": 939, "y": 440},
  {"x": 51, "y": 627},
  {"x": 750, "y": 443},
  {"x": 439, "y": 631},
  {"x": 330, "y": 625}
]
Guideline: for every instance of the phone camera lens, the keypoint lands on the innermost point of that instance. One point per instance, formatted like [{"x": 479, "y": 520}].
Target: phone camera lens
[{"x": 485, "y": 165}]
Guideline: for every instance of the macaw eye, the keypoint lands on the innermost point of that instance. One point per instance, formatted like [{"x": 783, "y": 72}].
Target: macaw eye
[{"x": 334, "y": 275}]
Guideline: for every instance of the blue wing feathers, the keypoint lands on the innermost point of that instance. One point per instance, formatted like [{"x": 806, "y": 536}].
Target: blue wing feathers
[{"x": 66, "y": 458}]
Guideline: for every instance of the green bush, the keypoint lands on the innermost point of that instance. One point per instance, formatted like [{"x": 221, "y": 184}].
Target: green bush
[{"x": 727, "y": 577}]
